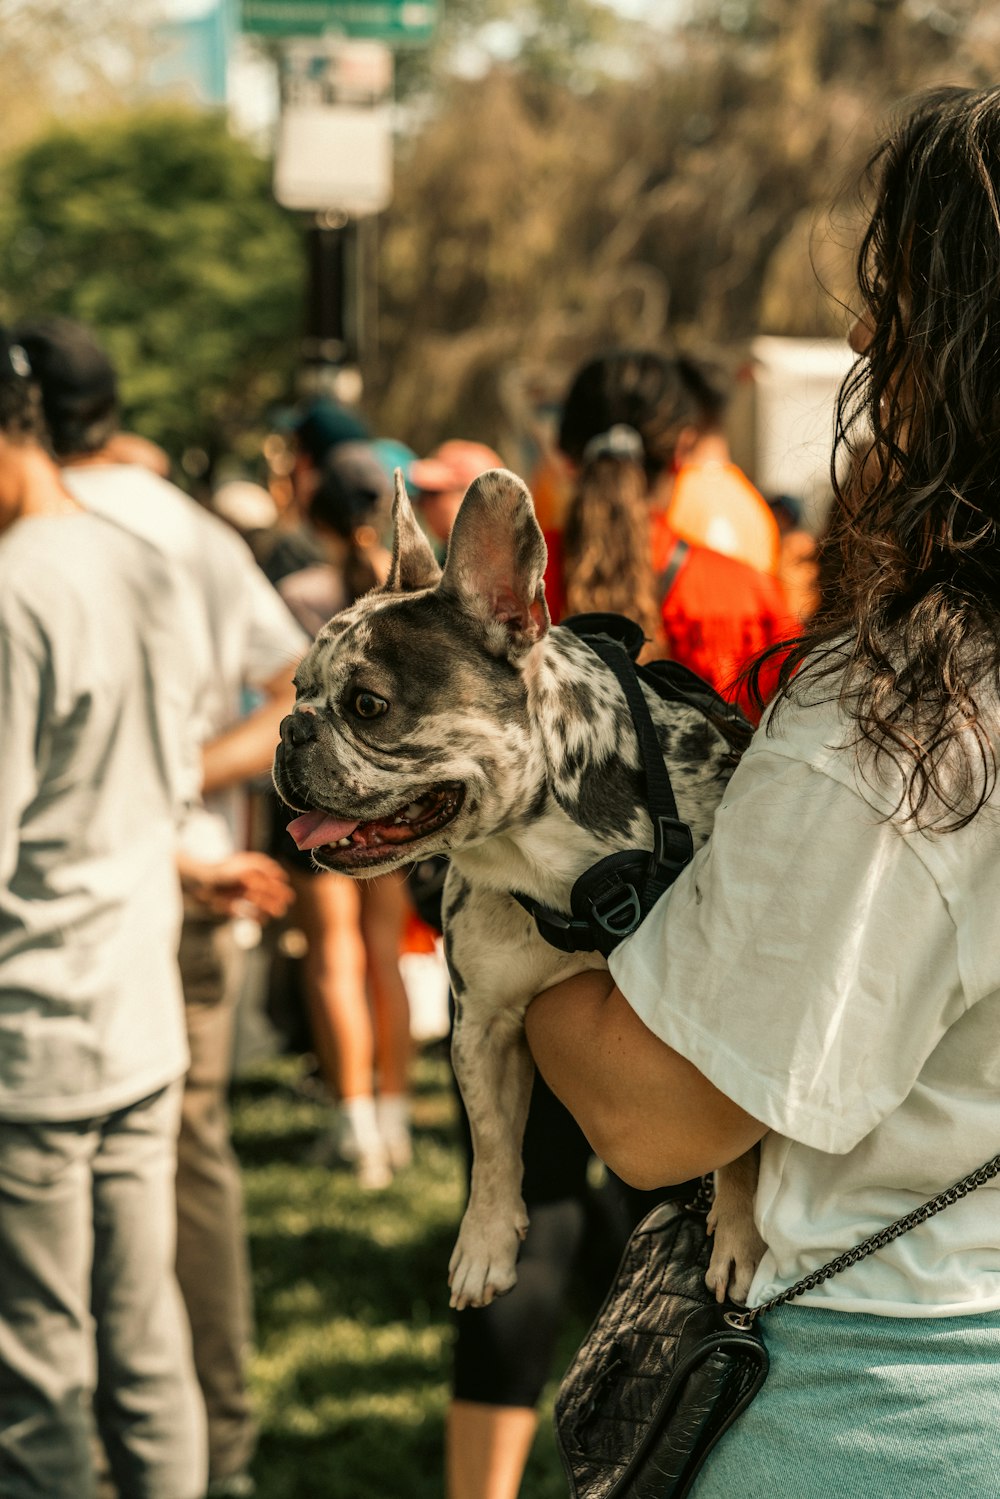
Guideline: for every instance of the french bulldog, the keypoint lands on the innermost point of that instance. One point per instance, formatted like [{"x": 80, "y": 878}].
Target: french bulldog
[{"x": 442, "y": 713}]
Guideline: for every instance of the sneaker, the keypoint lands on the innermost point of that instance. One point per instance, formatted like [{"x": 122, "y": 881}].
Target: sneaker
[
  {"x": 372, "y": 1169},
  {"x": 371, "y": 1166},
  {"x": 399, "y": 1148},
  {"x": 354, "y": 1141}
]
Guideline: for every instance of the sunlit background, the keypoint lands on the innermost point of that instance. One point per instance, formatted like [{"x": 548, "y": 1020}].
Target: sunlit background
[
  {"x": 566, "y": 174},
  {"x": 544, "y": 179}
]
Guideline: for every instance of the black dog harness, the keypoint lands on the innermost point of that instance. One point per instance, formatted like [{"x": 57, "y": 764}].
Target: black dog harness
[{"x": 612, "y": 897}]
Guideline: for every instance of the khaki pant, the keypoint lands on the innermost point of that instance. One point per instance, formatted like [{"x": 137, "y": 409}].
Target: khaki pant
[
  {"x": 91, "y": 1323},
  {"x": 212, "y": 1262}
]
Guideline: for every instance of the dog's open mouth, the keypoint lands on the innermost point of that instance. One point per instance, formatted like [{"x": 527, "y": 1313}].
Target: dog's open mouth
[{"x": 344, "y": 844}]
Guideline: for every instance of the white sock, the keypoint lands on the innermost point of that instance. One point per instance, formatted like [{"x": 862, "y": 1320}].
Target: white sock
[
  {"x": 393, "y": 1112},
  {"x": 360, "y": 1123}
]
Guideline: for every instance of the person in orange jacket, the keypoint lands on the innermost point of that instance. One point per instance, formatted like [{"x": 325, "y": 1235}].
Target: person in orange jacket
[{"x": 627, "y": 416}]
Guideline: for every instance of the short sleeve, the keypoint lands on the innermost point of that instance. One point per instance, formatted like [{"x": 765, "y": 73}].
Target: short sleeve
[
  {"x": 22, "y": 672},
  {"x": 273, "y": 638},
  {"x": 805, "y": 962}
]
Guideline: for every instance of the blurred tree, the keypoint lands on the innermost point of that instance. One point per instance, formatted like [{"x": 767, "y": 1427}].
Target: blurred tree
[
  {"x": 159, "y": 230},
  {"x": 562, "y": 40},
  {"x": 58, "y": 57},
  {"x": 608, "y": 181},
  {"x": 566, "y": 178}
]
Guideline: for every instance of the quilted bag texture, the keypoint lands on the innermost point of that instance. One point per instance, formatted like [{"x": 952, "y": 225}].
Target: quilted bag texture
[{"x": 661, "y": 1374}]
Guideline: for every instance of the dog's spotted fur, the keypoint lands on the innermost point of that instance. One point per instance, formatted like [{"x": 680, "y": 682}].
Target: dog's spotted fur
[{"x": 482, "y": 694}]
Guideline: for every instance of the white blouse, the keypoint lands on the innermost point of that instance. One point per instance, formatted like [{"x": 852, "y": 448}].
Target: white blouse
[{"x": 837, "y": 975}]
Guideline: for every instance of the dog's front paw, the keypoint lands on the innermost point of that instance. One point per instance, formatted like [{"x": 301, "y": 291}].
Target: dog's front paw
[
  {"x": 737, "y": 1250},
  {"x": 484, "y": 1262}
]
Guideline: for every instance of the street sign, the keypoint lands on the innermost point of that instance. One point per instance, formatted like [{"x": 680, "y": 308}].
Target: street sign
[
  {"x": 334, "y": 146},
  {"x": 400, "y": 22},
  {"x": 332, "y": 157}
]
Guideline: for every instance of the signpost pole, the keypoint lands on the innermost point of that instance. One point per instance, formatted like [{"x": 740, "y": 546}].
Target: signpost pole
[
  {"x": 330, "y": 326},
  {"x": 334, "y": 156}
]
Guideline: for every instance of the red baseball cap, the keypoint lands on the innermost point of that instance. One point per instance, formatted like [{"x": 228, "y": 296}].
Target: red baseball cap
[{"x": 453, "y": 465}]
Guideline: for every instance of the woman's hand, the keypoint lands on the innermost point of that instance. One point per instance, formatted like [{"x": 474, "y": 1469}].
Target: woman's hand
[{"x": 648, "y": 1113}]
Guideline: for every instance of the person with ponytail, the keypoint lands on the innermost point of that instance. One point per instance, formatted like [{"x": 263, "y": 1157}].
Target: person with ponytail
[
  {"x": 629, "y": 418},
  {"x": 824, "y": 977}
]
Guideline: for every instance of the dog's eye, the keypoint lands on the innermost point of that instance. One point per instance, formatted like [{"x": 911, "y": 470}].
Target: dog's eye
[{"x": 367, "y": 705}]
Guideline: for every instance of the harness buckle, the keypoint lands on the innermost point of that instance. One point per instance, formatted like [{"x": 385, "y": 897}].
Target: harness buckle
[
  {"x": 674, "y": 846},
  {"x": 617, "y": 909}
]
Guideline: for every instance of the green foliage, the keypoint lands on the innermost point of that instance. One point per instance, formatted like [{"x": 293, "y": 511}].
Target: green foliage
[
  {"x": 351, "y": 1372},
  {"x": 158, "y": 229}
]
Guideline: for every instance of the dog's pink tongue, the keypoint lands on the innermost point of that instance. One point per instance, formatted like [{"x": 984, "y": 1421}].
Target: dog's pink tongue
[{"x": 313, "y": 829}]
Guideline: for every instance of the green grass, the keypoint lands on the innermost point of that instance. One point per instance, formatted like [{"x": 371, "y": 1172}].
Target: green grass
[{"x": 351, "y": 1371}]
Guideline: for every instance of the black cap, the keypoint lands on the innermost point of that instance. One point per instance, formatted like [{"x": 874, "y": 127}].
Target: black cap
[{"x": 76, "y": 378}]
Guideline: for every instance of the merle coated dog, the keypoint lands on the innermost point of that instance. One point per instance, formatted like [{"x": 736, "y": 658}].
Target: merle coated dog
[{"x": 442, "y": 714}]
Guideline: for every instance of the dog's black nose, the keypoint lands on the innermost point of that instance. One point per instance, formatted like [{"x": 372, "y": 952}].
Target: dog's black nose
[{"x": 298, "y": 728}]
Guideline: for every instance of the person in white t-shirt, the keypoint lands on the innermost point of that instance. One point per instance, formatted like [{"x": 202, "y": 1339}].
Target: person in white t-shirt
[
  {"x": 92, "y": 1047},
  {"x": 824, "y": 977},
  {"x": 253, "y": 645}
]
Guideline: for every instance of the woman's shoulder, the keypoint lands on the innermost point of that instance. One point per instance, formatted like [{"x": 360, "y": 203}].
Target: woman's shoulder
[
  {"x": 813, "y": 725},
  {"x": 808, "y": 721}
]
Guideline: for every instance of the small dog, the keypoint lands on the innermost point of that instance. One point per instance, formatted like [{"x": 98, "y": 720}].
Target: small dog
[{"x": 442, "y": 714}]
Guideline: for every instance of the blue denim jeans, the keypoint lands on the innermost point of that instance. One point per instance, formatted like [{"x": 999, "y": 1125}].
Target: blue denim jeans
[{"x": 91, "y": 1322}]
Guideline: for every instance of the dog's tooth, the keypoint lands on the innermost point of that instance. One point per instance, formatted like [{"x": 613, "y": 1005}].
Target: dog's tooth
[
  {"x": 343, "y": 842},
  {"x": 413, "y": 810}
]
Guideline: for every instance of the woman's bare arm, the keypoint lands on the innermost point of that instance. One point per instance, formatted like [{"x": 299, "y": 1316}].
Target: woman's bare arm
[{"x": 648, "y": 1113}]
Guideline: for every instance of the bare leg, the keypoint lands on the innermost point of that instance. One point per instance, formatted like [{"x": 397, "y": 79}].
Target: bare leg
[
  {"x": 383, "y": 915},
  {"x": 328, "y": 908},
  {"x": 336, "y": 986},
  {"x": 486, "y": 1449}
]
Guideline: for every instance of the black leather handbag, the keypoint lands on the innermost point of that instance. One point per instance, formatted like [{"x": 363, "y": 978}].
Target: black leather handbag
[
  {"x": 665, "y": 1370},
  {"x": 662, "y": 1372}
]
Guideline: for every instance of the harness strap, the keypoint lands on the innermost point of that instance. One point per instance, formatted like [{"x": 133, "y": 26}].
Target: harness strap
[
  {"x": 610, "y": 899},
  {"x": 660, "y": 797}
]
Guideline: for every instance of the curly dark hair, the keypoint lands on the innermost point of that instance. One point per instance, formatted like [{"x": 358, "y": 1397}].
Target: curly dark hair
[
  {"x": 912, "y": 630},
  {"x": 606, "y": 542}
]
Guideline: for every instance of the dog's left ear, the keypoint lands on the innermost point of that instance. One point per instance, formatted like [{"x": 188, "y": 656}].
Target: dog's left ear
[
  {"x": 496, "y": 563},
  {"x": 414, "y": 565}
]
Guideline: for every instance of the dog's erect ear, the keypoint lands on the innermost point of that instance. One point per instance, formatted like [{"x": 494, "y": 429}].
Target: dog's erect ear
[
  {"x": 414, "y": 565},
  {"x": 496, "y": 563}
]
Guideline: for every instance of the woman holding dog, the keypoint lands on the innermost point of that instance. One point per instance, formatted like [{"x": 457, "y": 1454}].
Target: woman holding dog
[{"x": 824, "y": 978}]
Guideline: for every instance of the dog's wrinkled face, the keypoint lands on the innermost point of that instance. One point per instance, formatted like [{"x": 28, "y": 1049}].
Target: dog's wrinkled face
[{"x": 410, "y": 734}]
